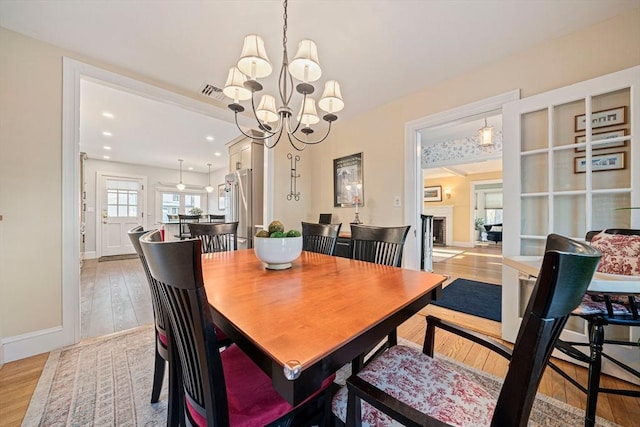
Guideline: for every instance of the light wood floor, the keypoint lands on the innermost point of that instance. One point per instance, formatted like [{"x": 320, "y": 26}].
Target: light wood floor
[{"x": 125, "y": 281}]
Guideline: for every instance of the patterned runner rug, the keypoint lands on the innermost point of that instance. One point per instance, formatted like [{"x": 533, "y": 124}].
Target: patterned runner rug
[{"x": 106, "y": 381}]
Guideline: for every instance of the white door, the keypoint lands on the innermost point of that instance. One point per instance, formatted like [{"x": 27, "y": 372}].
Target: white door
[
  {"x": 121, "y": 210},
  {"x": 572, "y": 160}
]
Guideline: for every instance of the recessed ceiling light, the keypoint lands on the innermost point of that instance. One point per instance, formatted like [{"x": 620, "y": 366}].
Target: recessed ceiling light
[
  {"x": 190, "y": 168},
  {"x": 210, "y": 138},
  {"x": 106, "y": 157},
  {"x": 107, "y": 115},
  {"x": 217, "y": 154},
  {"x": 105, "y": 133},
  {"x": 106, "y": 147}
]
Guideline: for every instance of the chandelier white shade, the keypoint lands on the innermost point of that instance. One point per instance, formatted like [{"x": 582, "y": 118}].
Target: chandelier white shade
[
  {"x": 331, "y": 100},
  {"x": 253, "y": 60},
  {"x": 305, "y": 65},
  {"x": 273, "y": 120},
  {"x": 234, "y": 87}
]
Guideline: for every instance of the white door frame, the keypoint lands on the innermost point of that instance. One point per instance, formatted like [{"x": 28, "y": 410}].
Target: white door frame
[
  {"x": 142, "y": 202},
  {"x": 413, "y": 164},
  {"x": 72, "y": 72}
]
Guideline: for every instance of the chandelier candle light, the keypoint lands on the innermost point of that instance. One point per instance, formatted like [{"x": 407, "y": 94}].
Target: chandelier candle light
[{"x": 242, "y": 84}]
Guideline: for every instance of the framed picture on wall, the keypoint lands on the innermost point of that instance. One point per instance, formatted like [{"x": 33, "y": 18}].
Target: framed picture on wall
[
  {"x": 601, "y": 162},
  {"x": 221, "y": 197},
  {"x": 604, "y": 118},
  {"x": 433, "y": 194},
  {"x": 348, "y": 183},
  {"x": 602, "y": 136}
]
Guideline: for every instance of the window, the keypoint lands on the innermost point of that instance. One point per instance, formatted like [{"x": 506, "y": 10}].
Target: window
[
  {"x": 122, "y": 198},
  {"x": 174, "y": 203}
]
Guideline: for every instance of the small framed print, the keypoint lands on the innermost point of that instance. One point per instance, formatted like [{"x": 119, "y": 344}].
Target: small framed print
[
  {"x": 600, "y": 162},
  {"x": 433, "y": 194},
  {"x": 601, "y": 136},
  {"x": 601, "y": 119}
]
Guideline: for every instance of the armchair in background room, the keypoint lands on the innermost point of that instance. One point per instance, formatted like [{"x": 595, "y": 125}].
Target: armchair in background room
[{"x": 494, "y": 232}]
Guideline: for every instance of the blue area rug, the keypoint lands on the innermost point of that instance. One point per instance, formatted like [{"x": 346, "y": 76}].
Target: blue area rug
[{"x": 471, "y": 297}]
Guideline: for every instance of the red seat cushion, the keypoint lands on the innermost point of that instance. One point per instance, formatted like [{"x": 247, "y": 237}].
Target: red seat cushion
[{"x": 251, "y": 397}]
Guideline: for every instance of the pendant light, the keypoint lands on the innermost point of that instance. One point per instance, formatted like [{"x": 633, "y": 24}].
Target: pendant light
[
  {"x": 209, "y": 188},
  {"x": 485, "y": 135},
  {"x": 180, "y": 186}
]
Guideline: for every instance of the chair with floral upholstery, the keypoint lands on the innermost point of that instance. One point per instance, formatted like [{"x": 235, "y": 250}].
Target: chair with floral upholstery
[
  {"x": 415, "y": 389},
  {"x": 620, "y": 256}
]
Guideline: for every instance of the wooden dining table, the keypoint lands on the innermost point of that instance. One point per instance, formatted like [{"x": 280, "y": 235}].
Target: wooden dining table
[{"x": 302, "y": 324}]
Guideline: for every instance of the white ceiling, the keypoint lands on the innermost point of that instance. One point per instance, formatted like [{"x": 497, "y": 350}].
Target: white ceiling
[{"x": 379, "y": 50}]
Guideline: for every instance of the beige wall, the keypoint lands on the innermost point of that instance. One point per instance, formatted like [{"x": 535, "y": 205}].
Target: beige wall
[
  {"x": 30, "y": 149},
  {"x": 460, "y": 200},
  {"x": 31, "y": 180},
  {"x": 610, "y": 46}
]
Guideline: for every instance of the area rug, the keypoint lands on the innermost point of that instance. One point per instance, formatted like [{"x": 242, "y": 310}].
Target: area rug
[
  {"x": 471, "y": 297},
  {"x": 106, "y": 381}
]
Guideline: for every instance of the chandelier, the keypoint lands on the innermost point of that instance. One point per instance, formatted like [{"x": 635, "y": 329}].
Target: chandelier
[{"x": 242, "y": 85}]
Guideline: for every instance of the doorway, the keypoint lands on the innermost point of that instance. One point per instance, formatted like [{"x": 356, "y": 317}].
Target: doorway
[
  {"x": 73, "y": 73},
  {"x": 414, "y": 156}
]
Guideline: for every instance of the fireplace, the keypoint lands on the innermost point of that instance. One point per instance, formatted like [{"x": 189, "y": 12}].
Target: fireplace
[
  {"x": 442, "y": 224},
  {"x": 439, "y": 231}
]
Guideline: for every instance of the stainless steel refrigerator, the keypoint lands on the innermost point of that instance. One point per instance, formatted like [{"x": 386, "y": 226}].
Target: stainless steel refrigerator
[{"x": 243, "y": 203}]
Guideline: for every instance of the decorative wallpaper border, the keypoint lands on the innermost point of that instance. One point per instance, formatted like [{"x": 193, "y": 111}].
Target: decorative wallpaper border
[{"x": 459, "y": 149}]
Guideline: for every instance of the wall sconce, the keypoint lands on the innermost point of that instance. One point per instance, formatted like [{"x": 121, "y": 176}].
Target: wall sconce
[{"x": 447, "y": 192}]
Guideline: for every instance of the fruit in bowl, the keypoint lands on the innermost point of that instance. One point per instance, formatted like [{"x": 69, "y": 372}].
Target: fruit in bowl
[{"x": 277, "y": 248}]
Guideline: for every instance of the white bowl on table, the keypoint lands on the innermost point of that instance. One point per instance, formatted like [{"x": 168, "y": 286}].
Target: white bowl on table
[{"x": 277, "y": 253}]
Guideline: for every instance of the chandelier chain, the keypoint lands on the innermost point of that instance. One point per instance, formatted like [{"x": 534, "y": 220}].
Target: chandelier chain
[{"x": 284, "y": 27}]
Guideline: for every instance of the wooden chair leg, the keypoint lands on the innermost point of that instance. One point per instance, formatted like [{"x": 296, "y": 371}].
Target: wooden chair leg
[
  {"x": 158, "y": 376},
  {"x": 596, "y": 339}
]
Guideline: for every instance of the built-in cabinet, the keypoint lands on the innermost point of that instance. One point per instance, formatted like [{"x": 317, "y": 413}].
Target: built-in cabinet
[
  {"x": 571, "y": 161},
  {"x": 246, "y": 153}
]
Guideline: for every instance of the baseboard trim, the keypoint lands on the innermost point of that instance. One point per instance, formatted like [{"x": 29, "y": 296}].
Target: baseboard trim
[
  {"x": 27, "y": 345},
  {"x": 89, "y": 255}
]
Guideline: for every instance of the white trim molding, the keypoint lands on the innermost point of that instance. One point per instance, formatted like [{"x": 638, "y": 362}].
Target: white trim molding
[
  {"x": 72, "y": 73},
  {"x": 37, "y": 342}
]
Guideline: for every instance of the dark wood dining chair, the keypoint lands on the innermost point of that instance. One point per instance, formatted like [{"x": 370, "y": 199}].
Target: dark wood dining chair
[
  {"x": 216, "y": 237},
  {"x": 320, "y": 238},
  {"x": 221, "y": 388},
  {"x": 325, "y": 218},
  {"x": 416, "y": 389},
  {"x": 216, "y": 218},
  {"x": 620, "y": 250},
  {"x": 162, "y": 339},
  {"x": 380, "y": 245},
  {"x": 184, "y": 221}
]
